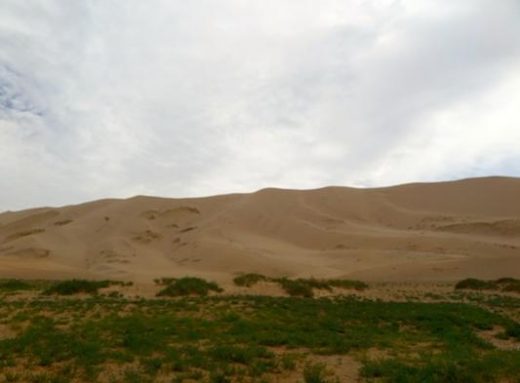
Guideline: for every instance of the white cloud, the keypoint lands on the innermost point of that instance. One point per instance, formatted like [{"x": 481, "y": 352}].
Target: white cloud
[
  {"x": 115, "y": 98},
  {"x": 470, "y": 137}
]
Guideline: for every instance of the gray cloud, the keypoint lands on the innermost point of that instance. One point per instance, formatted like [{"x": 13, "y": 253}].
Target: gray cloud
[{"x": 112, "y": 98}]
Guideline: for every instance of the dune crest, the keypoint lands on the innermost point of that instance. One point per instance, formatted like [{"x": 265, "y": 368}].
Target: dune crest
[{"x": 414, "y": 232}]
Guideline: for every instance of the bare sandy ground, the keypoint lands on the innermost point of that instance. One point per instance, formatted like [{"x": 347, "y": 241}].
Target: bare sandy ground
[{"x": 417, "y": 232}]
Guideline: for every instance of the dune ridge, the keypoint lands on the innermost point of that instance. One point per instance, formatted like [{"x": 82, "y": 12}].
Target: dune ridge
[{"x": 416, "y": 232}]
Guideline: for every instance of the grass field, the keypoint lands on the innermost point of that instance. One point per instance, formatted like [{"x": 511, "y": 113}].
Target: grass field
[{"x": 106, "y": 337}]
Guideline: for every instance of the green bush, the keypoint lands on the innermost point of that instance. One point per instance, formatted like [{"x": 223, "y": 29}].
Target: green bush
[
  {"x": 165, "y": 281},
  {"x": 510, "y": 284},
  {"x": 302, "y": 287},
  {"x": 347, "y": 284},
  {"x": 320, "y": 284},
  {"x": 14, "y": 285},
  {"x": 76, "y": 286},
  {"x": 315, "y": 373},
  {"x": 296, "y": 288},
  {"x": 219, "y": 377},
  {"x": 475, "y": 284},
  {"x": 249, "y": 279},
  {"x": 189, "y": 286},
  {"x": 513, "y": 330},
  {"x": 121, "y": 283},
  {"x": 504, "y": 284}
]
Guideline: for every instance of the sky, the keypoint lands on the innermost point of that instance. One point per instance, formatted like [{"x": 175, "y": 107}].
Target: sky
[{"x": 115, "y": 98}]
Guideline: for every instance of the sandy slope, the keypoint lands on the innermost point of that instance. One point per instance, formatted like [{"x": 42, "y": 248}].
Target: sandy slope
[{"x": 415, "y": 232}]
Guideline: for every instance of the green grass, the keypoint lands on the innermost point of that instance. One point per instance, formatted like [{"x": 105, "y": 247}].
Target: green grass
[
  {"x": 250, "y": 339},
  {"x": 207, "y": 338},
  {"x": 315, "y": 373},
  {"x": 465, "y": 369},
  {"x": 187, "y": 286}
]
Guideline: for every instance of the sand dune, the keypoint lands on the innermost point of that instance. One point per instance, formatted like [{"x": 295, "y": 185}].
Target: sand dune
[{"x": 415, "y": 232}]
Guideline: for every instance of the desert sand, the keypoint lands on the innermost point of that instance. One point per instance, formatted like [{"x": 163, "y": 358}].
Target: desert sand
[{"x": 416, "y": 232}]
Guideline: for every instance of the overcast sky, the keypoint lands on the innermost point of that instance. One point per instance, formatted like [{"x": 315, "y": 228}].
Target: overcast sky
[{"x": 113, "y": 98}]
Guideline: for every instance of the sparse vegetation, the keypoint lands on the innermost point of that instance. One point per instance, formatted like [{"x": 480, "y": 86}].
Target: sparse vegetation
[
  {"x": 300, "y": 287},
  {"x": 502, "y": 284},
  {"x": 14, "y": 285},
  {"x": 296, "y": 288},
  {"x": 187, "y": 286},
  {"x": 347, "y": 284},
  {"x": 475, "y": 284},
  {"x": 81, "y": 286},
  {"x": 248, "y": 280},
  {"x": 316, "y": 373},
  {"x": 514, "y": 288},
  {"x": 464, "y": 369},
  {"x": 165, "y": 281},
  {"x": 219, "y": 338}
]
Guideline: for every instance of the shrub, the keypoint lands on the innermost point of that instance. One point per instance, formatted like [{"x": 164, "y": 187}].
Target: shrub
[
  {"x": 165, "y": 281},
  {"x": 315, "y": 373},
  {"x": 348, "y": 284},
  {"x": 14, "y": 285},
  {"x": 509, "y": 284},
  {"x": 249, "y": 280},
  {"x": 115, "y": 294},
  {"x": 296, "y": 288},
  {"x": 302, "y": 287},
  {"x": 513, "y": 331},
  {"x": 121, "y": 283},
  {"x": 504, "y": 284},
  {"x": 320, "y": 284},
  {"x": 76, "y": 286},
  {"x": 189, "y": 286},
  {"x": 514, "y": 288},
  {"x": 475, "y": 284},
  {"x": 219, "y": 377}
]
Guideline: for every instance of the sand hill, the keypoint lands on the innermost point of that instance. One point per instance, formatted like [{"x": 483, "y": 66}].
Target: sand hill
[{"x": 415, "y": 232}]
